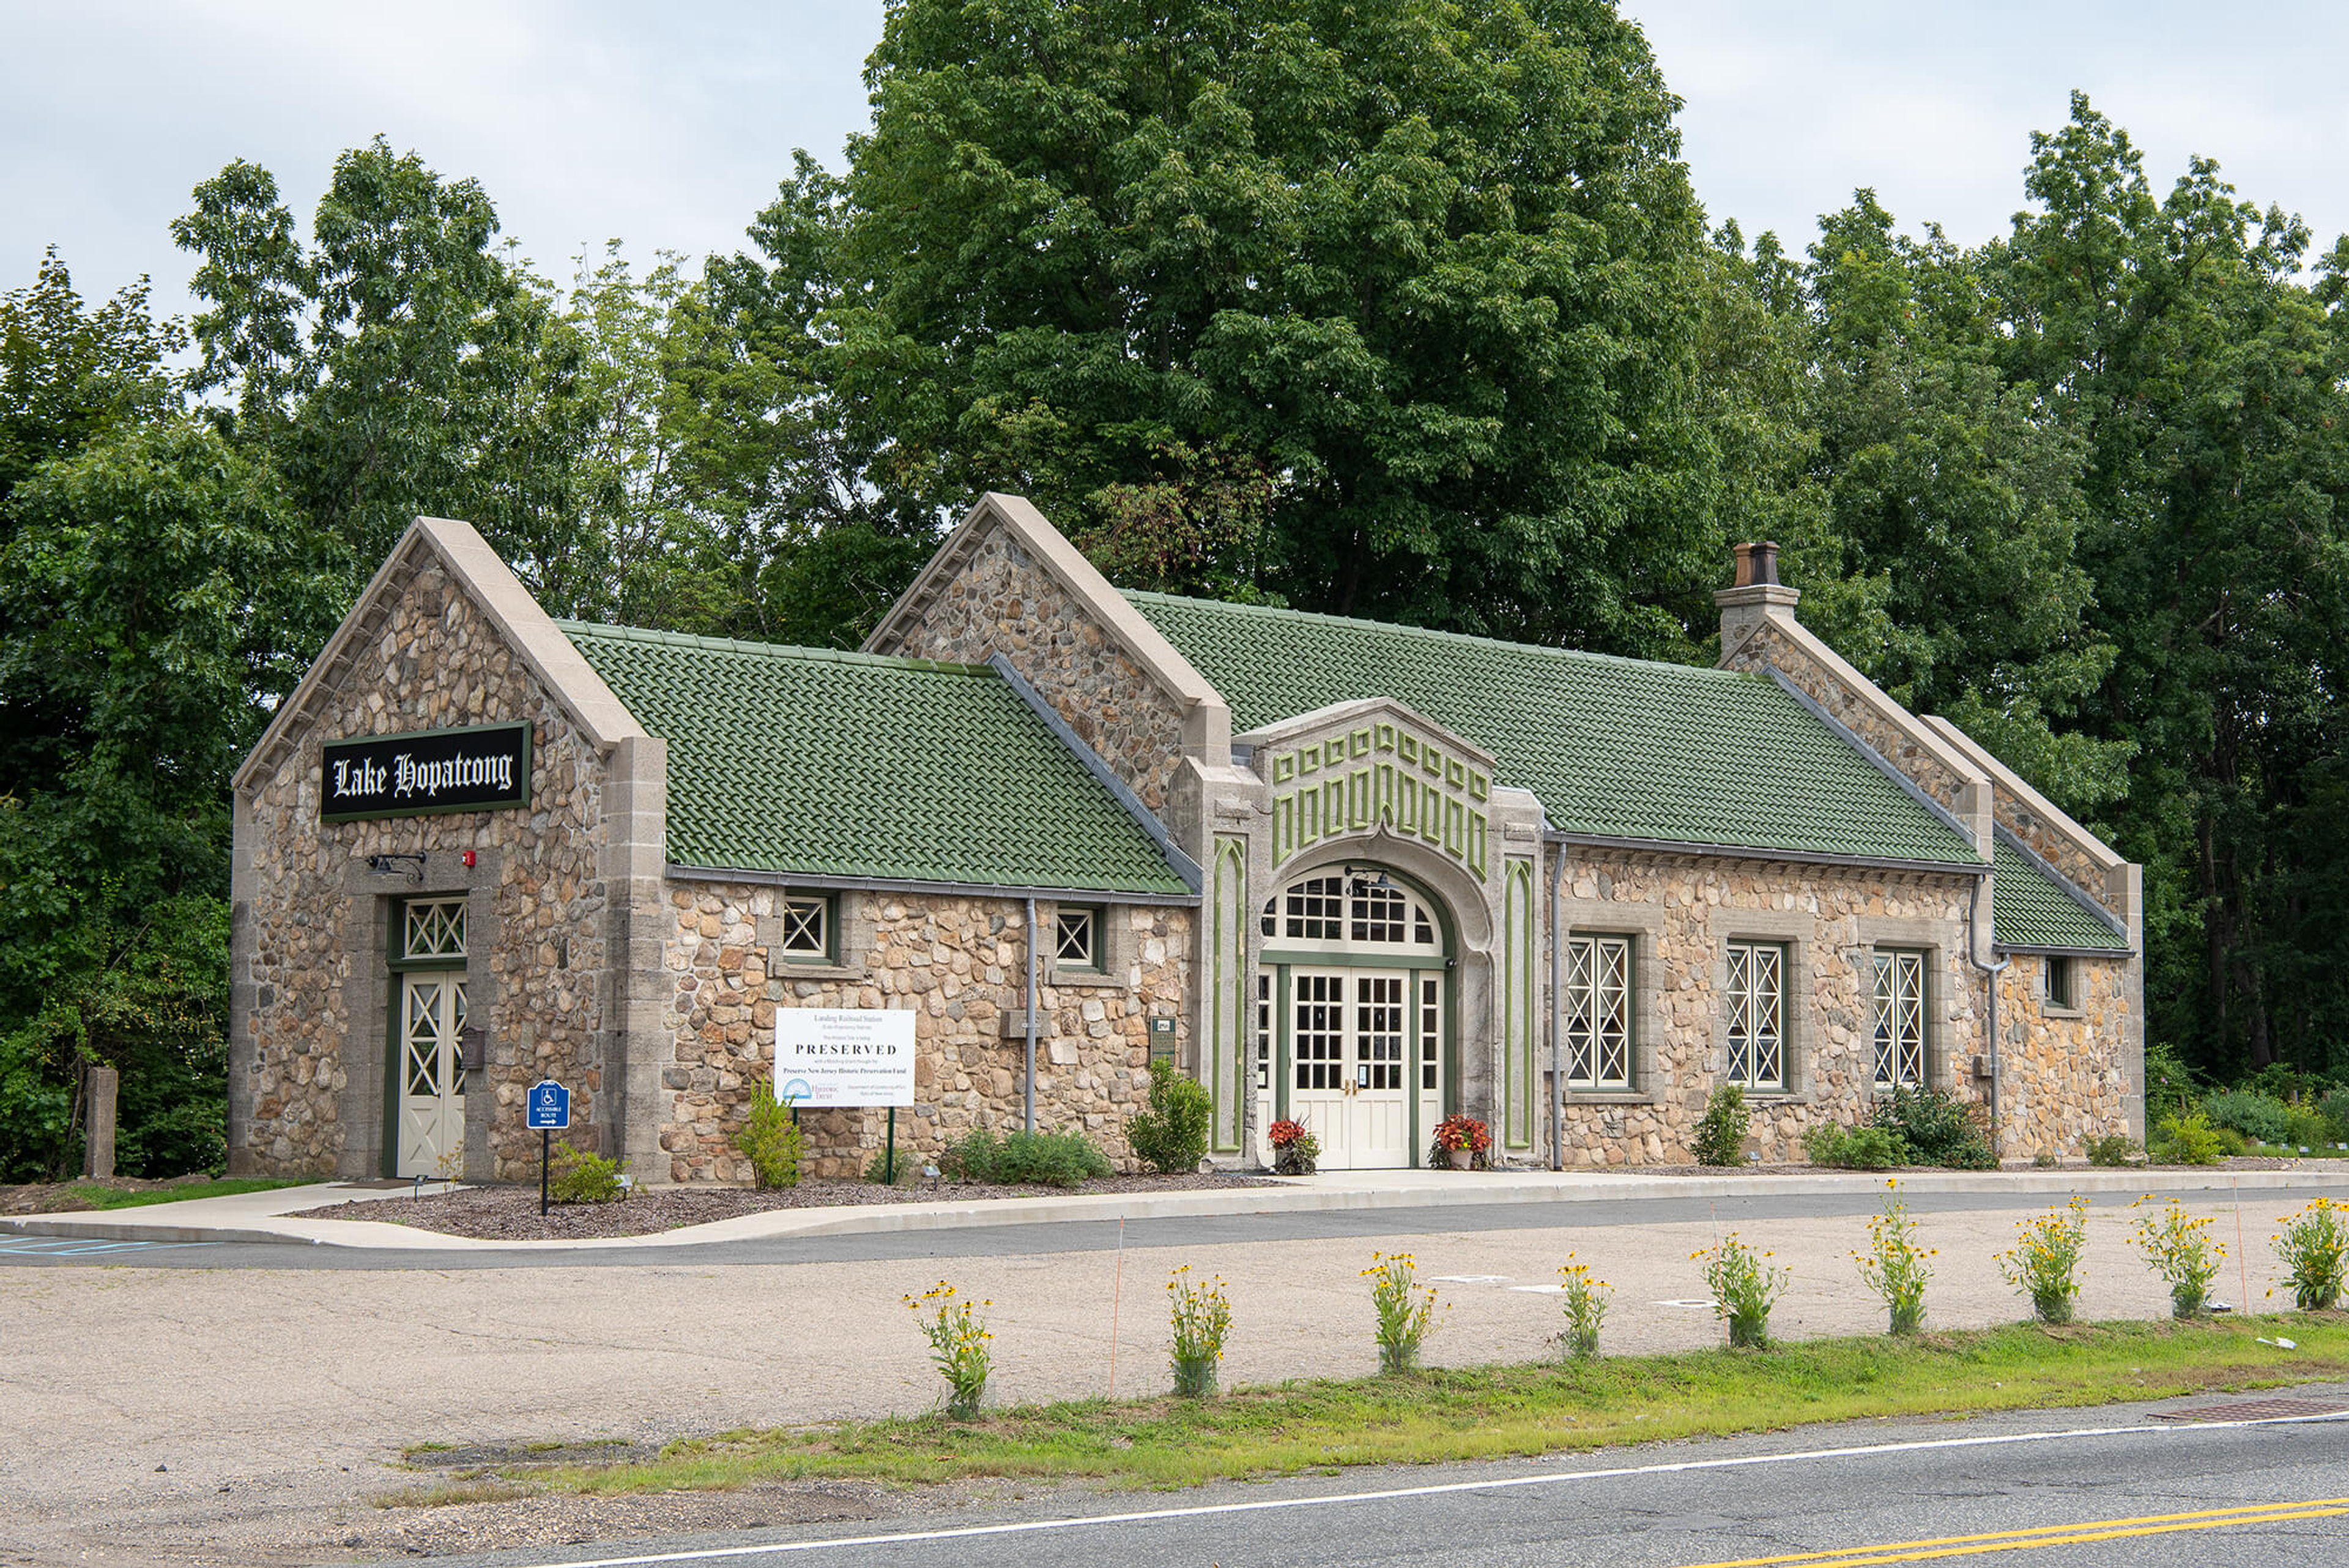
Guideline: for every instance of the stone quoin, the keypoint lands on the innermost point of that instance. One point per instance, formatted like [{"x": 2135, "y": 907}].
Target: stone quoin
[{"x": 1357, "y": 875}]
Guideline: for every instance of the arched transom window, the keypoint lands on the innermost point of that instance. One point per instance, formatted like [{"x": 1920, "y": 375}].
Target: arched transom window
[{"x": 1352, "y": 910}]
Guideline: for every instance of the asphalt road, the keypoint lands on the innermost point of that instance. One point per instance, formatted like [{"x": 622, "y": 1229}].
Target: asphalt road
[
  {"x": 2113, "y": 1489},
  {"x": 1064, "y": 1236}
]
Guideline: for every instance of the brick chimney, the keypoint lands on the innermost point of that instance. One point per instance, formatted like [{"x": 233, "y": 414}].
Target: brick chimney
[{"x": 1755, "y": 597}]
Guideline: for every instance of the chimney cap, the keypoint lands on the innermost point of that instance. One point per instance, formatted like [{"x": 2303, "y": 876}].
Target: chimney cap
[{"x": 1757, "y": 564}]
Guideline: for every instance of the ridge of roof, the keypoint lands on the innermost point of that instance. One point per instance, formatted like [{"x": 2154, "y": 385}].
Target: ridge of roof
[
  {"x": 1404, "y": 629},
  {"x": 792, "y": 651}
]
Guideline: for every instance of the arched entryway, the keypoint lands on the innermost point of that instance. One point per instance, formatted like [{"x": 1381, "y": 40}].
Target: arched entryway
[{"x": 1353, "y": 1014}]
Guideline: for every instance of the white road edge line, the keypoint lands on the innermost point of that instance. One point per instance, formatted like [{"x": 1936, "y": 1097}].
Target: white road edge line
[{"x": 1083, "y": 1522}]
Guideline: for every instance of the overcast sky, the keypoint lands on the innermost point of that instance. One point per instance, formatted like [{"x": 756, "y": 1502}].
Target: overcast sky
[{"x": 669, "y": 125}]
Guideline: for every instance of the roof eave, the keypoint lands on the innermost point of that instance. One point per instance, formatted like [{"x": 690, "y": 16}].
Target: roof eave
[
  {"x": 823, "y": 883},
  {"x": 1694, "y": 850}
]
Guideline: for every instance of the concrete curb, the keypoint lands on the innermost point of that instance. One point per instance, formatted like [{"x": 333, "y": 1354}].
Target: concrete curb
[{"x": 1338, "y": 1191}]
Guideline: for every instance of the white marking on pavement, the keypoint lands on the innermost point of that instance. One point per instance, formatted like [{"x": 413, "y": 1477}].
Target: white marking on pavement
[{"x": 972, "y": 1532}]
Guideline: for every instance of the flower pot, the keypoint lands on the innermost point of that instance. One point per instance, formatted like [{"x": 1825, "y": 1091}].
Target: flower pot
[{"x": 1461, "y": 1158}]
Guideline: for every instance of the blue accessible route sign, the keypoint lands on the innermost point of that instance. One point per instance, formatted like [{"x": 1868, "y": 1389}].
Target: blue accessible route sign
[{"x": 550, "y": 1107}]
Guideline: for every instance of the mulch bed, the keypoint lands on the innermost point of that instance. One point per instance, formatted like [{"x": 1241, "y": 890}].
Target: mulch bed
[{"x": 511, "y": 1213}]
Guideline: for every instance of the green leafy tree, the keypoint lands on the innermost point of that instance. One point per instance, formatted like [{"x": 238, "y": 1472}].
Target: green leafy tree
[
  {"x": 1392, "y": 309},
  {"x": 160, "y": 596},
  {"x": 69, "y": 374},
  {"x": 433, "y": 378},
  {"x": 1947, "y": 486},
  {"x": 2177, "y": 340}
]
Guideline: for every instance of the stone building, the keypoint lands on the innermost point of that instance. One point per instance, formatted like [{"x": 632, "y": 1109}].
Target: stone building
[{"x": 1359, "y": 875}]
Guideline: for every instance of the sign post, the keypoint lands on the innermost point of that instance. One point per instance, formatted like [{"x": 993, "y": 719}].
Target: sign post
[{"x": 550, "y": 1113}]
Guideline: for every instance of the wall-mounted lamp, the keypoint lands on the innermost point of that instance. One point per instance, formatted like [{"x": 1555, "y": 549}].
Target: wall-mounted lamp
[{"x": 384, "y": 865}]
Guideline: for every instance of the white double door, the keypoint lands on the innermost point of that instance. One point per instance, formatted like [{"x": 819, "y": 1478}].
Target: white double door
[
  {"x": 1355, "y": 1062},
  {"x": 431, "y": 1087}
]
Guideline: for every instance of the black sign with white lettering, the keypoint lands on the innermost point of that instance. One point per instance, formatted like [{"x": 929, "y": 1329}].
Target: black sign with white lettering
[{"x": 483, "y": 769}]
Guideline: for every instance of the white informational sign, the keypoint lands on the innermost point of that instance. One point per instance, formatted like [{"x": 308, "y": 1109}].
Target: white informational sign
[{"x": 843, "y": 1056}]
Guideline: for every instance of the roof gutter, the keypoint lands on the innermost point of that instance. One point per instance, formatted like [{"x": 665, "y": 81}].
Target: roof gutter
[
  {"x": 1976, "y": 869},
  {"x": 910, "y": 885}
]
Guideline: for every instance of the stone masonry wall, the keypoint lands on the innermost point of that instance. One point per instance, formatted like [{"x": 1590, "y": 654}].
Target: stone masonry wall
[
  {"x": 959, "y": 963},
  {"x": 1768, "y": 649},
  {"x": 1682, "y": 915},
  {"x": 314, "y": 1036},
  {"x": 2063, "y": 1078},
  {"x": 1003, "y": 601}
]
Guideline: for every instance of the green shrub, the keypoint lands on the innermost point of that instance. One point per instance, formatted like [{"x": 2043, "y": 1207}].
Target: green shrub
[
  {"x": 1852, "y": 1148},
  {"x": 899, "y": 1168},
  {"x": 2304, "y": 1126},
  {"x": 2113, "y": 1148},
  {"x": 1936, "y": 1127},
  {"x": 2188, "y": 1140},
  {"x": 1050, "y": 1160},
  {"x": 972, "y": 1157},
  {"x": 770, "y": 1139},
  {"x": 577, "y": 1177},
  {"x": 2249, "y": 1113},
  {"x": 1721, "y": 1136},
  {"x": 1025, "y": 1158},
  {"x": 2334, "y": 1109},
  {"x": 1172, "y": 1135}
]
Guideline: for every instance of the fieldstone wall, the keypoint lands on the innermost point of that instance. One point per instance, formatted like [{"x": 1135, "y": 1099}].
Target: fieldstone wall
[
  {"x": 960, "y": 965},
  {"x": 1682, "y": 914},
  {"x": 2064, "y": 1073},
  {"x": 314, "y": 994},
  {"x": 1003, "y": 600}
]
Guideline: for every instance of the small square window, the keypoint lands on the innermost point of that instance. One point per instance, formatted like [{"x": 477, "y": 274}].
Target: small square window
[
  {"x": 807, "y": 930},
  {"x": 1076, "y": 937},
  {"x": 2061, "y": 987}
]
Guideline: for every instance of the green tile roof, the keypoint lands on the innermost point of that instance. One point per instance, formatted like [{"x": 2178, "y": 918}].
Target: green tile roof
[
  {"x": 2031, "y": 906},
  {"x": 1618, "y": 748},
  {"x": 809, "y": 763}
]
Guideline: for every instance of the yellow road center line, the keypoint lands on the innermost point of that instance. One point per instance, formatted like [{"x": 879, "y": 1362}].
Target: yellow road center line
[{"x": 2048, "y": 1535}]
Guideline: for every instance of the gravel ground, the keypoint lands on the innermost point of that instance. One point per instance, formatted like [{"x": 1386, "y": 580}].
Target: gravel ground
[
  {"x": 511, "y": 1213},
  {"x": 181, "y": 1416}
]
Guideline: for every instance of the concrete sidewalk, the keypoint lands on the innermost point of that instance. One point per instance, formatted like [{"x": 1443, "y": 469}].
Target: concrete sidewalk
[{"x": 269, "y": 1217}]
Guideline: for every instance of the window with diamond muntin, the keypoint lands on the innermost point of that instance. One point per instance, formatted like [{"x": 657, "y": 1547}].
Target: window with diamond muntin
[
  {"x": 1598, "y": 1013},
  {"x": 1757, "y": 1015},
  {"x": 1899, "y": 1019}
]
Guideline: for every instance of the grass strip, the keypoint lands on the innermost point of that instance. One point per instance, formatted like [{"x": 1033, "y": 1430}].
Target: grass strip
[
  {"x": 1490, "y": 1412},
  {"x": 98, "y": 1196}
]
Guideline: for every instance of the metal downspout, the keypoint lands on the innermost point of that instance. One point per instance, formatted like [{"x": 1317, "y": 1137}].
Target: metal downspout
[
  {"x": 1973, "y": 922},
  {"x": 1029, "y": 1080},
  {"x": 1556, "y": 1009}
]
